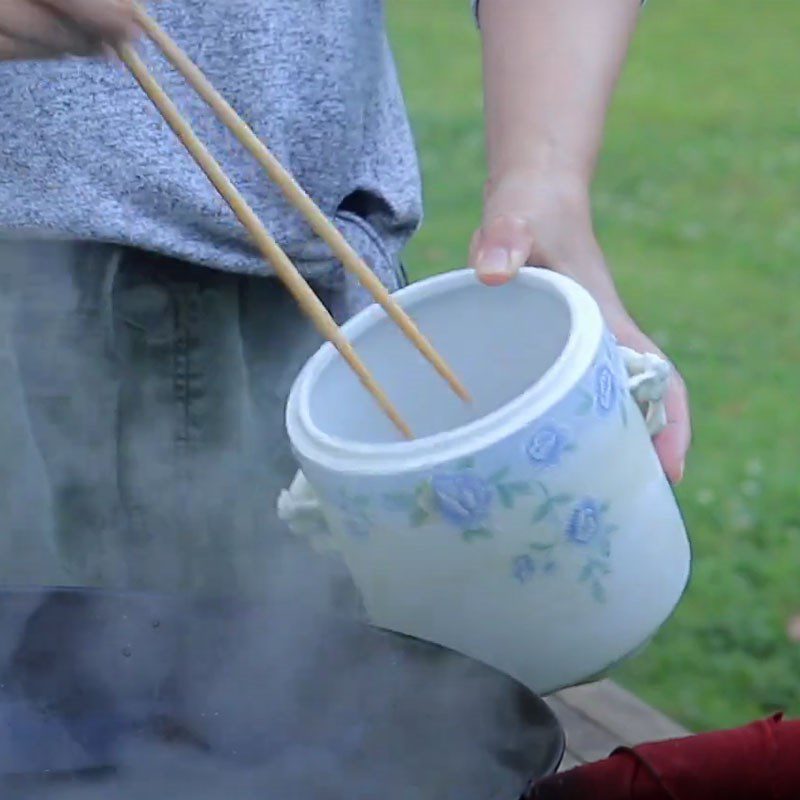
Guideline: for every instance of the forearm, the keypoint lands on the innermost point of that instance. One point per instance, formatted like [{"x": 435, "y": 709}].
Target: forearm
[{"x": 550, "y": 68}]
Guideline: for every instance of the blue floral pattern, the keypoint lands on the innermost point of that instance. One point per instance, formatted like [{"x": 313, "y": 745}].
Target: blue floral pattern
[
  {"x": 547, "y": 446},
  {"x": 606, "y": 390},
  {"x": 566, "y": 523},
  {"x": 464, "y": 499},
  {"x": 585, "y": 521},
  {"x": 469, "y": 496},
  {"x": 523, "y": 568}
]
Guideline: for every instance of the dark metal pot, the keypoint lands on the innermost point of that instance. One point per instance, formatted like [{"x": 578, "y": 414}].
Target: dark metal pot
[{"x": 137, "y": 696}]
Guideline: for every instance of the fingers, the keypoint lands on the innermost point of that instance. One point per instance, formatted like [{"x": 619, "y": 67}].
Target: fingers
[
  {"x": 500, "y": 248},
  {"x": 672, "y": 444},
  {"x": 48, "y": 28},
  {"x": 11, "y": 49},
  {"x": 106, "y": 19},
  {"x": 29, "y": 30}
]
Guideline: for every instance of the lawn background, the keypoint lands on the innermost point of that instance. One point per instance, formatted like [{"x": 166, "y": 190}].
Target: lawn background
[{"x": 698, "y": 208}]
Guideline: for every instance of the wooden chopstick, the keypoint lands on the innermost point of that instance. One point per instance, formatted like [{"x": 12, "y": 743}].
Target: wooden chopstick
[
  {"x": 295, "y": 194},
  {"x": 269, "y": 248}
]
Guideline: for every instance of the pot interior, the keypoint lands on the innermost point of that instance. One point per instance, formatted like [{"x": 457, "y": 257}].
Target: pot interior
[{"x": 499, "y": 341}]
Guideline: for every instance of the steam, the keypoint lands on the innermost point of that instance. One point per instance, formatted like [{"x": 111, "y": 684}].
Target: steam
[
  {"x": 254, "y": 680},
  {"x": 220, "y": 700}
]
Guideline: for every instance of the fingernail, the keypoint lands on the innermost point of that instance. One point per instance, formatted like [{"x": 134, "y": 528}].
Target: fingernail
[
  {"x": 681, "y": 470},
  {"x": 495, "y": 262}
]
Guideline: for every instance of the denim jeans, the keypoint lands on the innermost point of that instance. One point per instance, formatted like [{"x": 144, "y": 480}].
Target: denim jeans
[{"x": 142, "y": 419}]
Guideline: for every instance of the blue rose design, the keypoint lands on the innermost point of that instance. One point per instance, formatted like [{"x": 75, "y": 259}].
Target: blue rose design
[
  {"x": 606, "y": 389},
  {"x": 585, "y": 521},
  {"x": 464, "y": 499},
  {"x": 523, "y": 568},
  {"x": 546, "y": 446}
]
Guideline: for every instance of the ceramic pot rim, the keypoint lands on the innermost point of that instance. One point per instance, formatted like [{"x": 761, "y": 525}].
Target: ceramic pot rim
[{"x": 342, "y": 455}]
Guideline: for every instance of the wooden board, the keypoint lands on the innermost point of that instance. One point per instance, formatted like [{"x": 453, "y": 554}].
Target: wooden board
[{"x": 601, "y": 716}]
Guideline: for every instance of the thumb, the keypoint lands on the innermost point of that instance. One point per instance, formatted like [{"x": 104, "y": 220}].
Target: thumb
[{"x": 500, "y": 248}]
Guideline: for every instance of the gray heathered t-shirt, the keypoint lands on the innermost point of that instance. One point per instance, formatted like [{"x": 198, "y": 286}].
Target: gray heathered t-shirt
[{"x": 84, "y": 155}]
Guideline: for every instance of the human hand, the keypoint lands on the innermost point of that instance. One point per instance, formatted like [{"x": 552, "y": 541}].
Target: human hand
[
  {"x": 38, "y": 29},
  {"x": 546, "y": 220}
]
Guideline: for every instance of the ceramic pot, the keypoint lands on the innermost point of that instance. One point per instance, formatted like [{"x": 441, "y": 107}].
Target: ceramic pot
[{"x": 533, "y": 529}]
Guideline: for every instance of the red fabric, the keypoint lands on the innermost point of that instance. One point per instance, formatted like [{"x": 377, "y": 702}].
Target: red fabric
[{"x": 760, "y": 761}]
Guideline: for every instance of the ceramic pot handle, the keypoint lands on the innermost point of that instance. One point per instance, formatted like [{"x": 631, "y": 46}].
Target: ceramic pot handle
[
  {"x": 648, "y": 378},
  {"x": 300, "y": 509}
]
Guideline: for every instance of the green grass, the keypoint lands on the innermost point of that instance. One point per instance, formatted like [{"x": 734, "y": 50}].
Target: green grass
[{"x": 698, "y": 208}]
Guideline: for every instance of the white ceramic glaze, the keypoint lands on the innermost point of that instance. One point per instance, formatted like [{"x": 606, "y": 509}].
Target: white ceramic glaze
[{"x": 534, "y": 529}]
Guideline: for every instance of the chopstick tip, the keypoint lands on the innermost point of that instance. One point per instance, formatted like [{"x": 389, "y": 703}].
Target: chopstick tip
[{"x": 464, "y": 394}]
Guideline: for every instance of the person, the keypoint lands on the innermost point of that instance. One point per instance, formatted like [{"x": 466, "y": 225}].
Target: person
[
  {"x": 544, "y": 133},
  {"x": 146, "y": 350}
]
